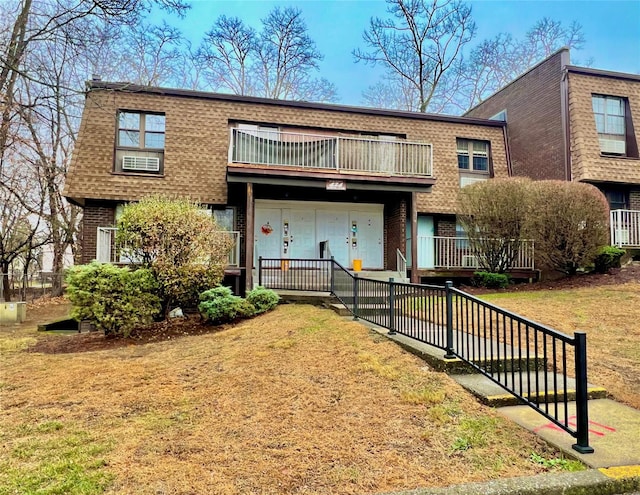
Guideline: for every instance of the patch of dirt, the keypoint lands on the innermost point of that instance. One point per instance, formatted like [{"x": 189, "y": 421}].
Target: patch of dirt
[
  {"x": 96, "y": 341},
  {"x": 627, "y": 274}
]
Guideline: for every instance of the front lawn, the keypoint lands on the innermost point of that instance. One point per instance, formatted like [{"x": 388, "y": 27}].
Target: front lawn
[
  {"x": 294, "y": 401},
  {"x": 609, "y": 314}
]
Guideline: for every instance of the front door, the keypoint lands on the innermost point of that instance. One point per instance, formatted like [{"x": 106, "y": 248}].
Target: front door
[
  {"x": 333, "y": 226},
  {"x": 299, "y": 225},
  {"x": 268, "y": 233},
  {"x": 426, "y": 241},
  {"x": 367, "y": 238}
]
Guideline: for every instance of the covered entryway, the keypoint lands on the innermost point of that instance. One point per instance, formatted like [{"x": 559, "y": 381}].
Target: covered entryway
[{"x": 295, "y": 229}]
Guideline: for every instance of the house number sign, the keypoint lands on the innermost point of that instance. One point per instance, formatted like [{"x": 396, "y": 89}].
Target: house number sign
[{"x": 336, "y": 185}]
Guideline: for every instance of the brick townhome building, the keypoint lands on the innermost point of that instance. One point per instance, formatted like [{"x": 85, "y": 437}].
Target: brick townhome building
[
  {"x": 286, "y": 176},
  {"x": 575, "y": 123}
]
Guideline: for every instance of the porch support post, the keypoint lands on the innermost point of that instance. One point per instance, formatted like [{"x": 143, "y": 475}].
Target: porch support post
[
  {"x": 414, "y": 238},
  {"x": 249, "y": 242}
]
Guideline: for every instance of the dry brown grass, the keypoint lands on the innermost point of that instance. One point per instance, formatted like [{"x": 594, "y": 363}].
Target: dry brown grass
[
  {"x": 295, "y": 401},
  {"x": 608, "y": 314}
]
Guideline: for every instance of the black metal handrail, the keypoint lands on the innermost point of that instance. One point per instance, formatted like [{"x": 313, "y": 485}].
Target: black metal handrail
[{"x": 529, "y": 360}]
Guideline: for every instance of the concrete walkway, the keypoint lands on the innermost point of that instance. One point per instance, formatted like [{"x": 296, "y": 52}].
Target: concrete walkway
[{"x": 614, "y": 435}]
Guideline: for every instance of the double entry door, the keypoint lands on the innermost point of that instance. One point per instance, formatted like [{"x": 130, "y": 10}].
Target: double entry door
[{"x": 296, "y": 229}]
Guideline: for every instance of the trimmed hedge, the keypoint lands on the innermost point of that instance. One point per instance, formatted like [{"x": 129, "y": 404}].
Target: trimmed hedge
[
  {"x": 608, "y": 257},
  {"x": 491, "y": 280},
  {"x": 263, "y": 299},
  {"x": 219, "y": 305},
  {"x": 115, "y": 300}
]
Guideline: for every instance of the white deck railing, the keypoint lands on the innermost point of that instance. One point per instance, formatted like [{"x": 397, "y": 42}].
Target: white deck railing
[
  {"x": 625, "y": 228},
  {"x": 107, "y": 251},
  {"x": 319, "y": 152},
  {"x": 456, "y": 252}
]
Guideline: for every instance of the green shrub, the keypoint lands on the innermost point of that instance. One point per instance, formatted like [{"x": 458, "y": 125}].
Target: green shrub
[
  {"x": 491, "y": 280},
  {"x": 115, "y": 300},
  {"x": 608, "y": 257},
  {"x": 263, "y": 299},
  {"x": 219, "y": 305},
  {"x": 179, "y": 242}
]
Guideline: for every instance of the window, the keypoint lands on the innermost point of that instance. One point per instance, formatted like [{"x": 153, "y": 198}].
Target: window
[
  {"x": 473, "y": 155},
  {"x": 140, "y": 147},
  {"x": 618, "y": 200},
  {"x": 461, "y": 234},
  {"x": 261, "y": 131},
  {"x": 501, "y": 115},
  {"x": 140, "y": 130},
  {"x": 225, "y": 218},
  {"x": 609, "y": 113}
]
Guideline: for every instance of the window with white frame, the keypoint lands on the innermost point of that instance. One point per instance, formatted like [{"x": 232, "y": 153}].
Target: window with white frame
[
  {"x": 473, "y": 156},
  {"x": 609, "y": 114}
]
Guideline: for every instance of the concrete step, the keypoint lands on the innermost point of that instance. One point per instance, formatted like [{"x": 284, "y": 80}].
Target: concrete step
[{"x": 492, "y": 394}]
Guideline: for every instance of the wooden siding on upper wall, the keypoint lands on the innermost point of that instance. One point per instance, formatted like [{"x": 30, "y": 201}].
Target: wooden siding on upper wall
[{"x": 197, "y": 142}]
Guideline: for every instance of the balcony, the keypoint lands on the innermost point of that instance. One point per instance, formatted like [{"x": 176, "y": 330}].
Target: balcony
[
  {"x": 625, "y": 228},
  {"x": 108, "y": 251},
  {"x": 449, "y": 253},
  {"x": 322, "y": 153}
]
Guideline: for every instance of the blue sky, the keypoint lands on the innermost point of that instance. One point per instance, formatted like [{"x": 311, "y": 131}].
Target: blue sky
[{"x": 611, "y": 27}]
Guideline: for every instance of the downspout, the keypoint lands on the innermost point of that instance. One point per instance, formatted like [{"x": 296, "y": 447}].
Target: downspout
[
  {"x": 507, "y": 152},
  {"x": 566, "y": 121}
]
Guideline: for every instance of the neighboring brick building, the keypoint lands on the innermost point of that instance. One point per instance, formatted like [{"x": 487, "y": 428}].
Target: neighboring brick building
[
  {"x": 285, "y": 175},
  {"x": 574, "y": 123}
]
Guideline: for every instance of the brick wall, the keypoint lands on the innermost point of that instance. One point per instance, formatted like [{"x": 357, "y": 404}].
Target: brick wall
[
  {"x": 94, "y": 215},
  {"x": 634, "y": 199},
  {"x": 395, "y": 232},
  {"x": 446, "y": 226},
  {"x": 534, "y": 119}
]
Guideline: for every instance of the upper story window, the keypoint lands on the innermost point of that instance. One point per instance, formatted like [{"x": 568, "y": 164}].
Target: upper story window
[
  {"x": 141, "y": 130},
  {"x": 140, "y": 147},
  {"x": 473, "y": 156},
  {"x": 609, "y": 113}
]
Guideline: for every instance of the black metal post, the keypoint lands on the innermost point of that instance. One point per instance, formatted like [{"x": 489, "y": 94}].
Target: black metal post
[
  {"x": 355, "y": 296},
  {"x": 392, "y": 303},
  {"x": 582, "y": 398},
  {"x": 260, "y": 271},
  {"x": 449, "y": 300},
  {"x": 332, "y": 283}
]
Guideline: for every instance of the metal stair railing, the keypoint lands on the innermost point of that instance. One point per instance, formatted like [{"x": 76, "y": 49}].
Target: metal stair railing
[{"x": 530, "y": 361}]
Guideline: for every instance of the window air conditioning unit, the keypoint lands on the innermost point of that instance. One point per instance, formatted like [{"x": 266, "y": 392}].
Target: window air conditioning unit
[
  {"x": 467, "y": 181},
  {"x": 469, "y": 261},
  {"x": 613, "y": 146},
  {"x": 141, "y": 163}
]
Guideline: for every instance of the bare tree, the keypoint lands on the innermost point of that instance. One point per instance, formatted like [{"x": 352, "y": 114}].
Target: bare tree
[
  {"x": 278, "y": 62},
  {"x": 418, "y": 44},
  {"x": 227, "y": 52},
  {"x": 153, "y": 53},
  {"x": 495, "y": 62},
  {"x": 20, "y": 231},
  {"x": 42, "y": 43}
]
